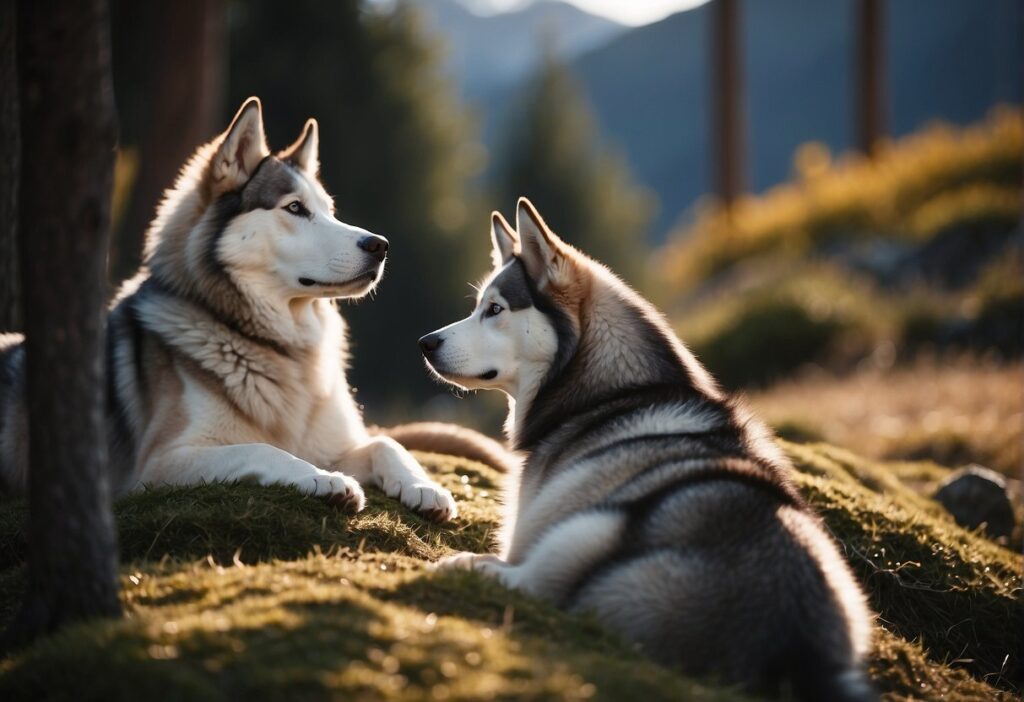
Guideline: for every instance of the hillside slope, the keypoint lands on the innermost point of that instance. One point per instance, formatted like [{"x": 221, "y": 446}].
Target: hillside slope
[{"x": 247, "y": 592}]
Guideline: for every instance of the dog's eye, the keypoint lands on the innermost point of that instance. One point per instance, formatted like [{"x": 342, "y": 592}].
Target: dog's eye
[
  {"x": 297, "y": 208},
  {"x": 494, "y": 310}
]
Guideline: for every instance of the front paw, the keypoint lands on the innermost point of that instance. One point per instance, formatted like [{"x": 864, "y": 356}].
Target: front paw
[
  {"x": 340, "y": 490},
  {"x": 465, "y": 561},
  {"x": 399, "y": 475},
  {"x": 424, "y": 496},
  {"x": 431, "y": 500}
]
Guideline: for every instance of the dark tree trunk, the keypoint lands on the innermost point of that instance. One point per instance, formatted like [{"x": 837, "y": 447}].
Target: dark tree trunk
[
  {"x": 728, "y": 123},
  {"x": 183, "y": 109},
  {"x": 870, "y": 75},
  {"x": 10, "y": 156},
  {"x": 68, "y": 129}
]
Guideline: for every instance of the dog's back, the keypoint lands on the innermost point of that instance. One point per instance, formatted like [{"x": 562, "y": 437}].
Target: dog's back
[{"x": 675, "y": 523}]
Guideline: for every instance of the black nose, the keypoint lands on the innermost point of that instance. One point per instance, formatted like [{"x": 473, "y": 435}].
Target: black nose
[
  {"x": 376, "y": 246},
  {"x": 430, "y": 343}
]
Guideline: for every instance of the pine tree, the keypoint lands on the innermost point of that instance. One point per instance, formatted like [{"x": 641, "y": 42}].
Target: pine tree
[
  {"x": 397, "y": 152},
  {"x": 553, "y": 155}
]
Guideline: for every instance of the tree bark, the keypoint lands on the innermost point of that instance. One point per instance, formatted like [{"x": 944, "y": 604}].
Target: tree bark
[
  {"x": 870, "y": 82},
  {"x": 10, "y": 157},
  {"x": 183, "y": 109},
  {"x": 728, "y": 123},
  {"x": 68, "y": 128}
]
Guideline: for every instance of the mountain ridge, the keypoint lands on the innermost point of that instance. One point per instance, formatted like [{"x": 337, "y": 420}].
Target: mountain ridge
[
  {"x": 649, "y": 87},
  {"x": 487, "y": 51}
]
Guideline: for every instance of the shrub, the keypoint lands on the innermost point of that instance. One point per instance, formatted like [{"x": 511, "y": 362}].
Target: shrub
[
  {"x": 765, "y": 342},
  {"x": 796, "y": 315},
  {"x": 917, "y": 187}
]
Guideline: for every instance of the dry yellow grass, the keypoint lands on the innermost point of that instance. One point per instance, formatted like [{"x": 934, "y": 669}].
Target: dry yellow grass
[
  {"x": 919, "y": 186},
  {"x": 950, "y": 411}
]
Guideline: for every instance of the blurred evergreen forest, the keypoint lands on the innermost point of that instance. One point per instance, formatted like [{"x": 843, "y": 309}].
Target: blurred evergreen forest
[
  {"x": 399, "y": 152},
  {"x": 552, "y": 153}
]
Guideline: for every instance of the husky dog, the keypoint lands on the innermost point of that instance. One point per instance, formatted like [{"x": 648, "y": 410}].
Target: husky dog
[
  {"x": 646, "y": 495},
  {"x": 226, "y": 355}
]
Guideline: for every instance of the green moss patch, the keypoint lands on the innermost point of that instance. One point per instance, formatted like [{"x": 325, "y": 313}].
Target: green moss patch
[
  {"x": 928, "y": 579},
  {"x": 254, "y": 523}
]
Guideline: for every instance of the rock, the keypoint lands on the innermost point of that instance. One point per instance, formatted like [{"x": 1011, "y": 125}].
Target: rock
[{"x": 976, "y": 495}]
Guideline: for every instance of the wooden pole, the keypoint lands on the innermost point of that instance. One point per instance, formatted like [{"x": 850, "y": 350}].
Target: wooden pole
[
  {"x": 728, "y": 123},
  {"x": 870, "y": 71}
]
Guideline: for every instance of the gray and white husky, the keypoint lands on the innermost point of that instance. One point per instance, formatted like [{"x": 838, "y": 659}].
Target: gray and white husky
[
  {"x": 646, "y": 495},
  {"x": 226, "y": 355}
]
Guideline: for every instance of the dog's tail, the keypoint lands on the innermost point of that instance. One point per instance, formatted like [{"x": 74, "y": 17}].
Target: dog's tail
[{"x": 451, "y": 439}]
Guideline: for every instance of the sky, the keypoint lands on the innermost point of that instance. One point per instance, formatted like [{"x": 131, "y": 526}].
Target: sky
[{"x": 632, "y": 12}]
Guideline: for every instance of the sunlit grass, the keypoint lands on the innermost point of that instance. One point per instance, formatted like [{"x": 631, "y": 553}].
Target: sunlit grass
[{"x": 953, "y": 412}]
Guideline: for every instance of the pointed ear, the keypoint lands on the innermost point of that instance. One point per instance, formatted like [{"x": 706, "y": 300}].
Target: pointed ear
[
  {"x": 305, "y": 152},
  {"x": 241, "y": 148},
  {"x": 504, "y": 240},
  {"x": 540, "y": 249}
]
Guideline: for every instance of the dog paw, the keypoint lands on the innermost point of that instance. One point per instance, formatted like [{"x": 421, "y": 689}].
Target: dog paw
[
  {"x": 426, "y": 497},
  {"x": 486, "y": 563},
  {"x": 431, "y": 500},
  {"x": 460, "y": 561},
  {"x": 340, "y": 490}
]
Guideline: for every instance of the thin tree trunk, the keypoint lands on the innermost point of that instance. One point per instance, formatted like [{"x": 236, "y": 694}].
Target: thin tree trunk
[
  {"x": 184, "y": 106},
  {"x": 870, "y": 80},
  {"x": 68, "y": 128},
  {"x": 728, "y": 122},
  {"x": 10, "y": 156}
]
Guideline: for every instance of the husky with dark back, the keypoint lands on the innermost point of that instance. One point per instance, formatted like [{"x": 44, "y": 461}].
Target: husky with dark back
[
  {"x": 646, "y": 495},
  {"x": 226, "y": 355}
]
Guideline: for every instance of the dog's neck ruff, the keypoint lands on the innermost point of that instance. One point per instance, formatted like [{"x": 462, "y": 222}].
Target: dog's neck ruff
[
  {"x": 584, "y": 376},
  {"x": 260, "y": 378},
  {"x": 246, "y": 327}
]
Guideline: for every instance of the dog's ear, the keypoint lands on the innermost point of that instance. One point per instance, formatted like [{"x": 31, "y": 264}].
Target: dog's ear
[
  {"x": 305, "y": 152},
  {"x": 241, "y": 149},
  {"x": 540, "y": 250},
  {"x": 503, "y": 239}
]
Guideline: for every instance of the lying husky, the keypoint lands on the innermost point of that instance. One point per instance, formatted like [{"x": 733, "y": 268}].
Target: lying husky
[
  {"x": 647, "y": 496},
  {"x": 226, "y": 354}
]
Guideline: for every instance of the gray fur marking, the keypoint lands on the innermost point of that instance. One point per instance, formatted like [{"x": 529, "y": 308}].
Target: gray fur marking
[
  {"x": 272, "y": 180},
  {"x": 514, "y": 286}
]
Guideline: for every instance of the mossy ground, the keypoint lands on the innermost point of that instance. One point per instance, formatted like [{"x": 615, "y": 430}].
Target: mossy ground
[{"x": 236, "y": 592}]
